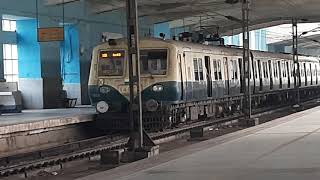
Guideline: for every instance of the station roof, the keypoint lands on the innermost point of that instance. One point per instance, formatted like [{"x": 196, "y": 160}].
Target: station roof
[{"x": 212, "y": 14}]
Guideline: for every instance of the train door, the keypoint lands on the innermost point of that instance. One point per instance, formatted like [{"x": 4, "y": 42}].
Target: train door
[
  {"x": 288, "y": 73},
  {"x": 270, "y": 74},
  {"x": 209, "y": 75},
  {"x": 183, "y": 75},
  {"x": 284, "y": 75},
  {"x": 226, "y": 76},
  {"x": 305, "y": 74},
  {"x": 316, "y": 73},
  {"x": 241, "y": 75},
  {"x": 260, "y": 75},
  {"x": 280, "y": 74},
  {"x": 311, "y": 74}
]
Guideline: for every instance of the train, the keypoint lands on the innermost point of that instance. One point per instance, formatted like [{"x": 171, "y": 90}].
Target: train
[{"x": 185, "y": 82}]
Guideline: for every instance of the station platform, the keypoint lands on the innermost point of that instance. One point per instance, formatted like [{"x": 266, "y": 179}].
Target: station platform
[
  {"x": 286, "y": 148},
  {"x": 34, "y": 129},
  {"x": 44, "y": 118}
]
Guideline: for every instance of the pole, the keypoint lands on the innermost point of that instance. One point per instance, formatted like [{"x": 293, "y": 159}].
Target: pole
[
  {"x": 134, "y": 78},
  {"x": 296, "y": 60},
  {"x": 246, "y": 58}
]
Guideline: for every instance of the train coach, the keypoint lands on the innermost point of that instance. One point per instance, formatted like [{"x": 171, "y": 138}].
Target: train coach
[{"x": 183, "y": 82}]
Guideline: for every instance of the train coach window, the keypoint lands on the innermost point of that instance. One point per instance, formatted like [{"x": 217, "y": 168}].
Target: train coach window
[{"x": 154, "y": 61}]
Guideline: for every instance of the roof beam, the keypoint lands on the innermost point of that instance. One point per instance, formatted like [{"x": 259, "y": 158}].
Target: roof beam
[{"x": 58, "y": 2}]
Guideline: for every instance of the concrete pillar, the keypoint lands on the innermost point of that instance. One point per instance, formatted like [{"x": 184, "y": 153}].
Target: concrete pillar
[
  {"x": 70, "y": 63},
  {"x": 1, "y": 56}
]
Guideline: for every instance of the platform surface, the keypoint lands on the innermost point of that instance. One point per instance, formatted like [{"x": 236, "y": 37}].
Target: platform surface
[
  {"x": 43, "y": 114},
  {"x": 30, "y": 120},
  {"x": 285, "y": 149}
]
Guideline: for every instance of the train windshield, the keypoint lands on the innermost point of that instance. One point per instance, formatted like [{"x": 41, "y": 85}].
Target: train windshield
[
  {"x": 111, "y": 63},
  {"x": 154, "y": 61}
]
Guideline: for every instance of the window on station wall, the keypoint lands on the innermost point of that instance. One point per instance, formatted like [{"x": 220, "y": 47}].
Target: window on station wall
[
  {"x": 10, "y": 62},
  {"x": 9, "y": 25}
]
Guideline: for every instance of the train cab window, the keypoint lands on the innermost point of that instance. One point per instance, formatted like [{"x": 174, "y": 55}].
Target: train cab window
[
  {"x": 196, "y": 70},
  {"x": 154, "y": 61},
  {"x": 200, "y": 68},
  {"x": 111, "y": 63}
]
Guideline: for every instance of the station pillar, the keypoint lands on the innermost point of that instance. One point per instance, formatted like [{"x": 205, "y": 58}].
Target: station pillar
[
  {"x": 296, "y": 61},
  {"x": 70, "y": 62},
  {"x": 246, "y": 59}
]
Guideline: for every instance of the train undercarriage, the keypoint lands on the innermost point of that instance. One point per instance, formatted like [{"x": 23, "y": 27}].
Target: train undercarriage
[{"x": 211, "y": 109}]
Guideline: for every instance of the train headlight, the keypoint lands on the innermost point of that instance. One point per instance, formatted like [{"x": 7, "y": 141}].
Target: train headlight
[
  {"x": 102, "y": 107},
  {"x": 152, "y": 105},
  {"x": 157, "y": 88}
]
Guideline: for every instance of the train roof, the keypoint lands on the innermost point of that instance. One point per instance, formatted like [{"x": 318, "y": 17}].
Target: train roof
[{"x": 188, "y": 46}]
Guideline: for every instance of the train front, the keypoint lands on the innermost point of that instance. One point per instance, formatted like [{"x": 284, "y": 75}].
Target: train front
[{"x": 109, "y": 79}]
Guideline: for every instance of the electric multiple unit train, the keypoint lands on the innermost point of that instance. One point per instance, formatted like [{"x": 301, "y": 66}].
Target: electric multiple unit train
[{"x": 184, "y": 81}]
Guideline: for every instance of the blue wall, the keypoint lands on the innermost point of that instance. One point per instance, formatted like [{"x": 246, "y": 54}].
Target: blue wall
[
  {"x": 28, "y": 49},
  {"x": 70, "y": 55}
]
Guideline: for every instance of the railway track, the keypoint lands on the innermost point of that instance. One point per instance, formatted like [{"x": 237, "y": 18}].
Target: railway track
[{"x": 59, "y": 155}]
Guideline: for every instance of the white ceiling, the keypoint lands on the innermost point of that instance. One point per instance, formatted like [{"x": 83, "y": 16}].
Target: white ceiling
[{"x": 214, "y": 13}]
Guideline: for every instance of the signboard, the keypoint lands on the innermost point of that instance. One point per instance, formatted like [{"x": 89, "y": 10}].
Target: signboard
[{"x": 50, "y": 34}]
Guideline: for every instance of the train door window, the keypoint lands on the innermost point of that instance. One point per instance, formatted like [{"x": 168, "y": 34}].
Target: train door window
[
  {"x": 280, "y": 69},
  {"x": 259, "y": 69},
  {"x": 316, "y": 73},
  {"x": 215, "y": 69},
  {"x": 235, "y": 69},
  {"x": 275, "y": 69},
  {"x": 255, "y": 69},
  {"x": 219, "y": 69},
  {"x": 196, "y": 70},
  {"x": 270, "y": 70},
  {"x": 231, "y": 69},
  {"x": 292, "y": 69},
  {"x": 264, "y": 67},
  {"x": 284, "y": 71},
  {"x": 200, "y": 69},
  {"x": 302, "y": 71},
  {"x": 287, "y": 68},
  {"x": 310, "y": 70}
]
